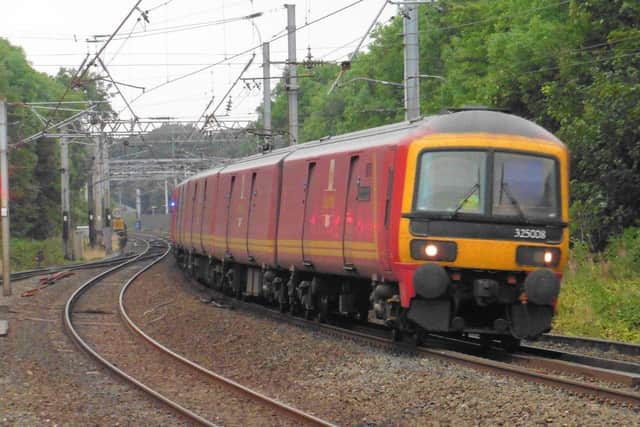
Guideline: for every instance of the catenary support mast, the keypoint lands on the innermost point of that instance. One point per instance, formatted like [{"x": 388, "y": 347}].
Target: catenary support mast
[
  {"x": 266, "y": 85},
  {"x": 292, "y": 87},
  {"x": 67, "y": 230},
  {"x": 411, "y": 67},
  {"x": 4, "y": 200}
]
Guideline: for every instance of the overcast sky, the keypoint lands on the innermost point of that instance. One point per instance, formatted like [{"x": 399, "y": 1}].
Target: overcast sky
[{"x": 183, "y": 36}]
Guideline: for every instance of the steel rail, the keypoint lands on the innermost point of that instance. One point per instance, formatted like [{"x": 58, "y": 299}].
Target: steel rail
[
  {"x": 623, "y": 377},
  {"x": 611, "y": 370},
  {"x": 462, "y": 358},
  {"x": 68, "y": 323},
  {"x": 281, "y": 407},
  {"x": 600, "y": 344},
  {"x": 26, "y": 274}
]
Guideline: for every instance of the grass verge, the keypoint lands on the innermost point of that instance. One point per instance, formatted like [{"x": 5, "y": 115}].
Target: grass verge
[{"x": 600, "y": 294}]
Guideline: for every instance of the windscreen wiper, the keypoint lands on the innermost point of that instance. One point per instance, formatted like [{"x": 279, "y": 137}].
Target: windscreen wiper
[
  {"x": 473, "y": 189},
  {"x": 504, "y": 188}
]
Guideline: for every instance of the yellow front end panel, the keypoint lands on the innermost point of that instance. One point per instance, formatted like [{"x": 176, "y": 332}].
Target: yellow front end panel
[{"x": 483, "y": 253}]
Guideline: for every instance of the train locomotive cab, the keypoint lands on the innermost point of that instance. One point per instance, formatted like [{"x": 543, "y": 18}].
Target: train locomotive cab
[{"x": 483, "y": 238}]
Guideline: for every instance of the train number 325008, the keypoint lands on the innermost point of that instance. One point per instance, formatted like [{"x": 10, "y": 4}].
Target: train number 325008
[{"x": 530, "y": 233}]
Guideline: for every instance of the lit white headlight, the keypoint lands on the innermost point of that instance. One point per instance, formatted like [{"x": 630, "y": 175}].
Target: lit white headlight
[{"x": 431, "y": 250}]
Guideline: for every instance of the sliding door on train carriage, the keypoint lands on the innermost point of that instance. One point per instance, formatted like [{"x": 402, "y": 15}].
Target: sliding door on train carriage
[
  {"x": 307, "y": 213},
  {"x": 360, "y": 233},
  {"x": 193, "y": 227}
]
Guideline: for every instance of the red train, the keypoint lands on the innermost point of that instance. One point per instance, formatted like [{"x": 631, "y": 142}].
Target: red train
[{"x": 456, "y": 223}]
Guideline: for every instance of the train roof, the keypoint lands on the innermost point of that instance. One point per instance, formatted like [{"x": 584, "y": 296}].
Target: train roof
[
  {"x": 488, "y": 121},
  {"x": 466, "y": 121}
]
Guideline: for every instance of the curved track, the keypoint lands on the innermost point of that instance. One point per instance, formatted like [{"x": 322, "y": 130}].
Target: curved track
[
  {"x": 271, "y": 405},
  {"x": 553, "y": 371}
]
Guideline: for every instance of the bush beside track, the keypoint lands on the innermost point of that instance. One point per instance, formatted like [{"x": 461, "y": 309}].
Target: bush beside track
[
  {"x": 23, "y": 253},
  {"x": 600, "y": 293}
]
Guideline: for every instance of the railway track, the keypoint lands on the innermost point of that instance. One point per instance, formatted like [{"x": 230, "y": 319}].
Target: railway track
[
  {"x": 609, "y": 370},
  {"x": 27, "y": 274},
  {"x": 95, "y": 317},
  {"x": 591, "y": 343},
  {"x": 572, "y": 372}
]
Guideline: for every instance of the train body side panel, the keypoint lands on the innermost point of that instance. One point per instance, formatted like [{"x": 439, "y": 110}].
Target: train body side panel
[
  {"x": 183, "y": 213},
  {"x": 386, "y": 176},
  {"x": 262, "y": 215},
  {"x": 226, "y": 186},
  {"x": 361, "y": 219},
  {"x": 187, "y": 216},
  {"x": 179, "y": 212},
  {"x": 196, "y": 222},
  {"x": 324, "y": 211},
  {"x": 238, "y": 213},
  {"x": 292, "y": 201},
  {"x": 174, "y": 215},
  {"x": 209, "y": 214},
  {"x": 333, "y": 212}
]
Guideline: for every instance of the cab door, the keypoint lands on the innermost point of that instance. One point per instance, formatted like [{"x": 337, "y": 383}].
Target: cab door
[{"x": 360, "y": 234}]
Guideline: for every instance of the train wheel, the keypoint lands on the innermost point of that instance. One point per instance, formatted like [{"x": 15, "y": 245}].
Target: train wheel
[{"x": 396, "y": 335}]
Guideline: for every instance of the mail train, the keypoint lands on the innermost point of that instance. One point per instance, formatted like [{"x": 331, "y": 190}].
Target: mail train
[{"x": 452, "y": 224}]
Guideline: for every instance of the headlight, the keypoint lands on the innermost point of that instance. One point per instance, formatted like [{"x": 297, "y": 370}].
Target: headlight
[
  {"x": 431, "y": 250},
  {"x": 434, "y": 250},
  {"x": 538, "y": 256}
]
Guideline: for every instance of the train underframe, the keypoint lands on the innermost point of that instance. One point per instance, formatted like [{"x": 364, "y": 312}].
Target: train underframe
[{"x": 491, "y": 305}]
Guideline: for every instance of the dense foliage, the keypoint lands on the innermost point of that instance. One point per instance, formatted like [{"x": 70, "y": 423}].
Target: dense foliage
[
  {"x": 601, "y": 293},
  {"x": 34, "y": 168},
  {"x": 571, "y": 66}
]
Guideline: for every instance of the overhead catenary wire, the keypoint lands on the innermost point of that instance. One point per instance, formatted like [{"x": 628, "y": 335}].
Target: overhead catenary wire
[
  {"x": 357, "y": 49},
  {"x": 212, "y": 114},
  {"x": 83, "y": 69},
  {"x": 244, "y": 52}
]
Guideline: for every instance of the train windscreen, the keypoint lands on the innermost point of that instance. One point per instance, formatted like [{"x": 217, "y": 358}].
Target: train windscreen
[
  {"x": 525, "y": 184},
  {"x": 489, "y": 183},
  {"x": 452, "y": 181}
]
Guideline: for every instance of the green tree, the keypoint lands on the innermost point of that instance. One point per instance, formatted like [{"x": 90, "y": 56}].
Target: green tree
[{"x": 34, "y": 167}]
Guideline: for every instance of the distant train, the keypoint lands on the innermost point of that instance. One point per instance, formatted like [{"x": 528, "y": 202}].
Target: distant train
[
  {"x": 117, "y": 221},
  {"x": 454, "y": 224}
]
